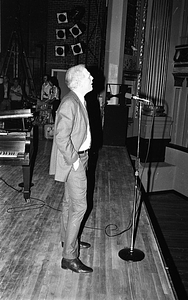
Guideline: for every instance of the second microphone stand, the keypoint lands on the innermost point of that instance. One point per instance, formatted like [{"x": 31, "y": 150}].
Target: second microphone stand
[{"x": 132, "y": 254}]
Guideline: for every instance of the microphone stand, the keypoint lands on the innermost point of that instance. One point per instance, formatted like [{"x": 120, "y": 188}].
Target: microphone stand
[{"x": 132, "y": 254}]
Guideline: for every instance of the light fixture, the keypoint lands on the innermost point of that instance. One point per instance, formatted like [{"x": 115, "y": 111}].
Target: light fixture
[
  {"x": 60, "y": 50},
  {"x": 77, "y": 48},
  {"x": 62, "y": 17},
  {"x": 61, "y": 34},
  {"x": 77, "y": 13},
  {"x": 75, "y": 31}
]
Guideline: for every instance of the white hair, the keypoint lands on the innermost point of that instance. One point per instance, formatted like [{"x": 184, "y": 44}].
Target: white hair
[{"x": 74, "y": 76}]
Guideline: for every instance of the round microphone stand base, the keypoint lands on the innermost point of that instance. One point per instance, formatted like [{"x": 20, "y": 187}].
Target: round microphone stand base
[{"x": 131, "y": 255}]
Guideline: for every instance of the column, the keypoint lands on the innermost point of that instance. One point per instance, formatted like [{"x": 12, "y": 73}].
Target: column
[{"x": 115, "y": 41}]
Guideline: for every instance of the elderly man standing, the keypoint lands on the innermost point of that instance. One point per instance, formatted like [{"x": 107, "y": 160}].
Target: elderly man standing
[{"x": 68, "y": 163}]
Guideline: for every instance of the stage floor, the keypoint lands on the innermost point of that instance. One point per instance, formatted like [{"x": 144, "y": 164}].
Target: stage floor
[{"x": 30, "y": 236}]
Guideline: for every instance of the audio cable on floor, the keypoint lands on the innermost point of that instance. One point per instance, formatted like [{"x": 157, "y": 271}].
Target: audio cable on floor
[{"x": 28, "y": 206}]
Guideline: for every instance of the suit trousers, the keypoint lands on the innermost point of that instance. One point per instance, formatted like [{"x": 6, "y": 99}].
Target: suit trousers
[{"x": 74, "y": 208}]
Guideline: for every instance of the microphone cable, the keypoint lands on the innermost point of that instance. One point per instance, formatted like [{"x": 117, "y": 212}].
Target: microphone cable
[{"x": 28, "y": 206}]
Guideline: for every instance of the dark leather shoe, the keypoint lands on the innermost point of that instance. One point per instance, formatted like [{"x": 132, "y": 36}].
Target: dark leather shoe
[
  {"x": 83, "y": 245},
  {"x": 75, "y": 265}
]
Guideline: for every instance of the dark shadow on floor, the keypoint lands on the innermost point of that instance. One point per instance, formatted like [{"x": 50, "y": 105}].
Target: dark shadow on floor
[{"x": 156, "y": 209}]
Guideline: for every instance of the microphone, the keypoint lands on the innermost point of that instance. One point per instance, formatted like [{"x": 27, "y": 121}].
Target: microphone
[{"x": 130, "y": 96}]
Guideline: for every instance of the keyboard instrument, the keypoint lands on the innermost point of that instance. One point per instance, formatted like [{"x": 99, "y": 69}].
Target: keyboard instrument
[
  {"x": 8, "y": 154},
  {"x": 16, "y": 143}
]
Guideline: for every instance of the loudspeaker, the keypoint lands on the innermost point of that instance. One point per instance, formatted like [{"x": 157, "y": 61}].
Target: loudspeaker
[{"x": 115, "y": 125}]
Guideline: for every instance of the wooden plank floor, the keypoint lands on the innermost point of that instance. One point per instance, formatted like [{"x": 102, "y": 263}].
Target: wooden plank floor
[{"x": 30, "y": 247}]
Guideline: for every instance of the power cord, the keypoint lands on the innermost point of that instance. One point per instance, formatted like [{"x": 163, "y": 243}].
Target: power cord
[
  {"x": 116, "y": 227},
  {"x": 27, "y": 207},
  {"x": 19, "y": 191}
]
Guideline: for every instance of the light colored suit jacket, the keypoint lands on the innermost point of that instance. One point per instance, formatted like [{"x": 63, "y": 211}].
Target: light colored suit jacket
[{"x": 70, "y": 132}]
